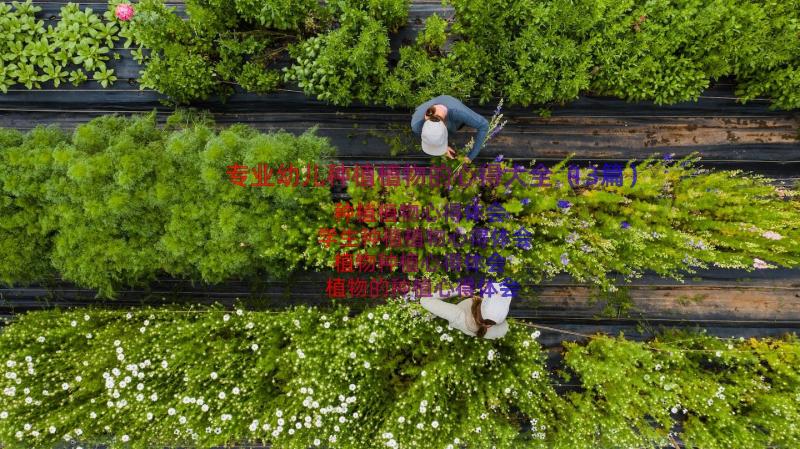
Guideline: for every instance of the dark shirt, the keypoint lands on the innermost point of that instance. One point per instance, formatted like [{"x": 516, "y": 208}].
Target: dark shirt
[{"x": 458, "y": 115}]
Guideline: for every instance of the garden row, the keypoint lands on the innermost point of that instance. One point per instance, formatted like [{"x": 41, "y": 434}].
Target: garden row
[
  {"x": 547, "y": 51},
  {"x": 392, "y": 377},
  {"x": 121, "y": 201}
]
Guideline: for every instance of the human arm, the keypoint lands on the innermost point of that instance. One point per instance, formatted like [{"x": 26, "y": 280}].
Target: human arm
[
  {"x": 416, "y": 124},
  {"x": 442, "y": 309},
  {"x": 497, "y": 331},
  {"x": 482, "y": 125}
]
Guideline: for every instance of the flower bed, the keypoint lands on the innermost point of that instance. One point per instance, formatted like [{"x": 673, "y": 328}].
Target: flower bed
[
  {"x": 79, "y": 44},
  {"x": 388, "y": 378},
  {"x": 122, "y": 200},
  {"x": 548, "y": 51}
]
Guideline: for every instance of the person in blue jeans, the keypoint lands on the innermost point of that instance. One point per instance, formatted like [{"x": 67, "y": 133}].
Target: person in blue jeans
[{"x": 439, "y": 117}]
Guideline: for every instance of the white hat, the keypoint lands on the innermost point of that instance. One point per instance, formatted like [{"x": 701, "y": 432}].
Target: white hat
[
  {"x": 495, "y": 306},
  {"x": 434, "y": 138}
]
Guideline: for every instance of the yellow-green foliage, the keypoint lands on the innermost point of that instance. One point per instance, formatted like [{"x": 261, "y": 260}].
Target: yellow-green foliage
[{"x": 389, "y": 377}]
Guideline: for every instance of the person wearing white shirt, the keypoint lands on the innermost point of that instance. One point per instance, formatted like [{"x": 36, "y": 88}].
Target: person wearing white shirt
[{"x": 480, "y": 315}]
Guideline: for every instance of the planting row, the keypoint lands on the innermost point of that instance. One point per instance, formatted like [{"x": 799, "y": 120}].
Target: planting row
[
  {"x": 545, "y": 51},
  {"x": 122, "y": 200},
  {"x": 392, "y": 377}
]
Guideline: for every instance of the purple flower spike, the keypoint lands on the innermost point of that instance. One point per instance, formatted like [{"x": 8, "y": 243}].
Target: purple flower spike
[
  {"x": 625, "y": 225},
  {"x": 498, "y": 108},
  {"x": 668, "y": 157},
  {"x": 525, "y": 201},
  {"x": 495, "y": 132},
  {"x": 564, "y": 259},
  {"x": 499, "y": 158},
  {"x": 564, "y": 204}
]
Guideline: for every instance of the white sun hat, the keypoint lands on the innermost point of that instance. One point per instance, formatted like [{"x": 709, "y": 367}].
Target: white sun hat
[
  {"x": 434, "y": 138},
  {"x": 495, "y": 306}
]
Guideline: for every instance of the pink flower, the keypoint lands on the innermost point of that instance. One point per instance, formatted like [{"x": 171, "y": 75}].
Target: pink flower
[
  {"x": 760, "y": 264},
  {"x": 124, "y": 11},
  {"x": 771, "y": 235}
]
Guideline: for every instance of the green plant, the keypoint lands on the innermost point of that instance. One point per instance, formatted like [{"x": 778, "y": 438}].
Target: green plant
[
  {"x": 112, "y": 202},
  {"x": 25, "y": 161},
  {"x": 767, "y": 48},
  {"x": 420, "y": 76},
  {"x": 277, "y": 14},
  {"x": 675, "y": 219},
  {"x": 390, "y": 376},
  {"x": 434, "y": 35},
  {"x": 217, "y": 46},
  {"x": 110, "y": 205},
  {"x": 392, "y": 13},
  {"x": 345, "y": 65},
  {"x": 31, "y": 54}
]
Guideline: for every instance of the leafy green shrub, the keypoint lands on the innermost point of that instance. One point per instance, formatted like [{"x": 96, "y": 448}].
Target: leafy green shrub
[
  {"x": 110, "y": 207},
  {"x": 25, "y": 178},
  {"x": 218, "y": 45},
  {"x": 80, "y": 43},
  {"x": 118, "y": 203},
  {"x": 434, "y": 36},
  {"x": 277, "y": 14},
  {"x": 548, "y": 51},
  {"x": 420, "y": 76},
  {"x": 345, "y": 65},
  {"x": 221, "y": 44},
  {"x": 392, "y": 13},
  {"x": 665, "y": 52},
  {"x": 239, "y": 232},
  {"x": 391, "y": 377},
  {"x": 110, "y": 218},
  {"x": 675, "y": 219},
  {"x": 768, "y": 53}
]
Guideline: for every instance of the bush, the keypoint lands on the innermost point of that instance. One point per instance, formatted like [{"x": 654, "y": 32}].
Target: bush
[
  {"x": 420, "y": 76},
  {"x": 434, "y": 36},
  {"x": 392, "y": 13},
  {"x": 221, "y": 44},
  {"x": 218, "y": 45},
  {"x": 675, "y": 219},
  {"x": 345, "y": 65},
  {"x": 80, "y": 43},
  {"x": 118, "y": 203},
  {"x": 392, "y": 376},
  {"x": 25, "y": 178},
  {"x": 124, "y": 200}
]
